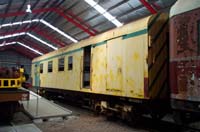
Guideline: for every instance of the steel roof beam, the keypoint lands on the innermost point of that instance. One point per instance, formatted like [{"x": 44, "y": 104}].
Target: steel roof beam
[
  {"x": 32, "y": 8},
  {"x": 61, "y": 13},
  {"x": 43, "y": 22},
  {"x": 14, "y": 32},
  {"x": 34, "y": 45},
  {"x": 23, "y": 45},
  {"x": 18, "y": 51},
  {"x": 43, "y": 34},
  {"x": 28, "y": 14},
  {"x": 21, "y": 7},
  {"x": 21, "y": 50},
  {"x": 26, "y": 52},
  {"x": 29, "y": 43},
  {"x": 57, "y": 17},
  {"x": 95, "y": 16},
  {"x": 7, "y": 8},
  {"x": 148, "y": 6},
  {"x": 121, "y": 15},
  {"x": 58, "y": 11},
  {"x": 50, "y": 38},
  {"x": 55, "y": 3},
  {"x": 20, "y": 13},
  {"x": 81, "y": 21}
]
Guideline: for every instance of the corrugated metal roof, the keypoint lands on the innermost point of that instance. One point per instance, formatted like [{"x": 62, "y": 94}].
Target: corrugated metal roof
[{"x": 78, "y": 10}]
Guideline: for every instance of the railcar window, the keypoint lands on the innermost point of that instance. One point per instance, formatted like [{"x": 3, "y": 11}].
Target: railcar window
[
  {"x": 61, "y": 62},
  {"x": 70, "y": 63},
  {"x": 198, "y": 36},
  {"x": 86, "y": 66},
  {"x": 50, "y": 66},
  {"x": 41, "y": 68}
]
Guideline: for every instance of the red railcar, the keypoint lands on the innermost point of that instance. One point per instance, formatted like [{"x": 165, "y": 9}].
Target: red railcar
[{"x": 185, "y": 56}]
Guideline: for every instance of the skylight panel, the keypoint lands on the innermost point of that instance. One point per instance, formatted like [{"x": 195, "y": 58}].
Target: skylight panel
[{"x": 102, "y": 11}]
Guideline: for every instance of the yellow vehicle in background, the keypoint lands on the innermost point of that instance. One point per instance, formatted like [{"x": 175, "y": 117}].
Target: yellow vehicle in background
[{"x": 11, "y": 80}]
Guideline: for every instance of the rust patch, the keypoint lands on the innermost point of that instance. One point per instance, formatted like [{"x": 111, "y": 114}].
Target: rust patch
[
  {"x": 184, "y": 34},
  {"x": 186, "y": 75}
]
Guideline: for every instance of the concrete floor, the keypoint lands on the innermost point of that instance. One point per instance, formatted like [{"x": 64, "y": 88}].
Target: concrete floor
[
  {"x": 85, "y": 121},
  {"x": 80, "y": 121}
]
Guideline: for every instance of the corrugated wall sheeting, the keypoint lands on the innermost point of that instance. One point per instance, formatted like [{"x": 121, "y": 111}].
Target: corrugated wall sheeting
[{"x": 13, "y": 59}]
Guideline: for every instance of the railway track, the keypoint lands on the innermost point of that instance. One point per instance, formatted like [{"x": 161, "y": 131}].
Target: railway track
[
  {"x": 146, "y": 122},
  {"x": 167, "y": 125}
]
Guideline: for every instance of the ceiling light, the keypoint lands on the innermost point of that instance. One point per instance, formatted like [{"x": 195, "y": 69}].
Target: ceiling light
[
  {"x": 36, "y": 38},
  {"x": 91, "y": 2},
  {"x": 99, "y": 9},
  {"x": 43, "y": 22},
  {"x": 28, "y": 21},
  {"x": 59, "y": 31},
  {"x": 4, "y": 43},
  {"x": 12, "y": 35},
  {"x": 109, "y": 16},
  {"x": 11, "y": 43},
  {"x": 32, "y": 36},
  {"x": 35, "y": 20},
  {"x": 15, "y": 23},
  {"x": 36, "y": 51},
  {"x": 117, "y": 23},
  {"x": 28, "y": 9}
]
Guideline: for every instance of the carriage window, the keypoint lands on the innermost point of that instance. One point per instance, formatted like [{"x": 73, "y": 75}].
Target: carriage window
[
  {"x": 70, "y": 63},
  {"x": 50, "y": 66},
  {"x": 86, "y": 66},
  {"x": 41, "y": 68},
  {"x": 61, "y": 62}
]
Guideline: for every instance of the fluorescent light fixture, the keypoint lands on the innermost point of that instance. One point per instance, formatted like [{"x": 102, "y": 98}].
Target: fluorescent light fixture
[
  {"x": 99, "y": 9},
  {"x": 36, "y": 38},
  {"x": 36, "y": 51},
  {"x": 59, "y": 31},
  {"x": 109, "y": 16},
  {"x": 32, "y": 36},
  {"x": 28, "y": 21},
  {"x": 35, "y": 20},
  {"x": 11, "y": 43},
  {"x": 102, "y": 11},
  {"x": 43, "y": 22},
  {"x": 4, "y": 44},
  {"x": 6, "y": 25},
  {"x": 91, "y": 2},
  {"x": 117, "y": 23},
  {"x": 13, "y": 24},
  {"x": 12, "y": 35}
]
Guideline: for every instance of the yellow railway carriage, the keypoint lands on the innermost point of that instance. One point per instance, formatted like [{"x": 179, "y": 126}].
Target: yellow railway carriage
[{"x": 129, "y": 63}]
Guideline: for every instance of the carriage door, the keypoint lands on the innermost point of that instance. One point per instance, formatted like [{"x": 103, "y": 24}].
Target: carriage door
[
  {"x": 37, "y": 75},
  {"x": 114, "y": 65},
  {"x": 86, "y": 67}
]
